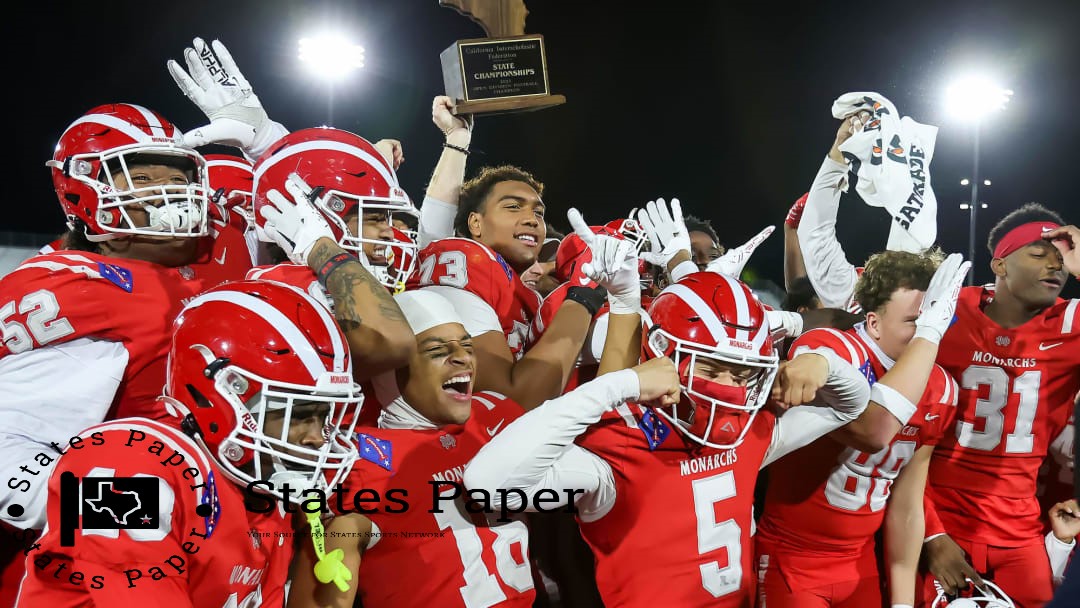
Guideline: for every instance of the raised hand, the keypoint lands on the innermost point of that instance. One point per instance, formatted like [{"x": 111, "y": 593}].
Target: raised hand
[
  {"x": 733, "y": 261},
  {"x": 666, "y": 230},
  {"x": 215, "y": 84},
  {"x": 939, "y": 302},
  {"x": 614, "y": 266}
]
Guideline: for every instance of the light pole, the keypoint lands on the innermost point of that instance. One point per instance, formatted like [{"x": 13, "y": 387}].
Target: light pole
[
  {"x": 972, "y": 99},
  {"x": 972, "y": 207},
  {"x": 330, "y": 57}
]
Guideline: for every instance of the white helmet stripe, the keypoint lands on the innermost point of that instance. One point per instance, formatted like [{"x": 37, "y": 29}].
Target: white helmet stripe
[
  {"x": 703, "y": 310},
  {"x": 114, "y": 123},
  {"x": 323, "y": 144},
  {"x": 742, "y": 308},
  {"x": 342, "y": 360},
  {"x": 284, "y": 326},
  {"x": 152, "y": 121},
  {"x": 217, "y": 162}
]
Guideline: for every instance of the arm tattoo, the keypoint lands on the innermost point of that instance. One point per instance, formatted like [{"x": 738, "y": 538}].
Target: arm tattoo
[{"x": 344, "y": 283}]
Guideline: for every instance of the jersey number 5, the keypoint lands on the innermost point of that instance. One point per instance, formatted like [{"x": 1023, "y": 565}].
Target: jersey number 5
[
  {"x": 1027, "y": 385},
  {"x": 41, "y": 309},
  {"x": 713, "y": 535}
]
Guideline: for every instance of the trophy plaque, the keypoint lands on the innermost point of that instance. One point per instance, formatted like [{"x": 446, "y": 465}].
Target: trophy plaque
[{"x": 506, "y": 72}]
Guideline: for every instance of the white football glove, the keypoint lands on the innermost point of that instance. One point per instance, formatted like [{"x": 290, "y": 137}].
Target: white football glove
[
  {"x": 733, "y": 261},
  {"x": 666, "y": 231},
  {"x": 295, "y": 225},
  {"x": 215, "y": 84},
  {"x": 939, "y": 302},
  {"x": 784, "y": 324},
  {"x": 614, "y": 266}
]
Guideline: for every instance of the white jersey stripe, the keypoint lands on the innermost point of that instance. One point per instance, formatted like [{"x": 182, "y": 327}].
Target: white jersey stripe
[
  {"x": 228, "y": 163},
  {"x": 50, "y": 265},
  {"x": 853, "y": 357},
  {"x": 288, "y": 330},
  {"x": 1070, "y": 313}
]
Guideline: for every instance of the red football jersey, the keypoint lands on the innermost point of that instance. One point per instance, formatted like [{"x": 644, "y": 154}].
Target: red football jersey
[
  {"x": 301, "y": 277},
  {"x": 829, "y": 500},
  {"x": 231, "y": 557},
  {"x": 67, "y": 295},
  {"x": 228, "y": 252},
  {"x": 1016, "y": 394},
  {"x": 683, "y": 508},
  {"x": 465, "y": 559},
  {"x": 474, "y": 267}
]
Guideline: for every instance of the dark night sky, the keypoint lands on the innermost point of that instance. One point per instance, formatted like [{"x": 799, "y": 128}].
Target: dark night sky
[{"x": 723, "y": 104}]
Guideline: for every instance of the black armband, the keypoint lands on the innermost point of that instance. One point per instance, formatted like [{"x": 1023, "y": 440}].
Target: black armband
[
  {"x": 331, "y": 265},
  {"x": 592, "y": 298}
]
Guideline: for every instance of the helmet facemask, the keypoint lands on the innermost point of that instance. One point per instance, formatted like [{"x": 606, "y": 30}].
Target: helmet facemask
[
  {"x": 719, "y": 414},
  {"x": 250, "y": 453},
  {"x": 173, "y": 210},
  {"x": 336, "y": 205}
]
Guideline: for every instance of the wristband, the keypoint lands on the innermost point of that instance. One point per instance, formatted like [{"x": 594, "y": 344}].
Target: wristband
[
  {"x": 592, "y": 298},
  {"x": 464, "y": 151},
  {"x": 331, "y": 265}
]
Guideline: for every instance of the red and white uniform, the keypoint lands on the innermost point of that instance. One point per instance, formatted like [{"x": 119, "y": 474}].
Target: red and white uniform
[
  {"x": 647, "y": 490},
  {"x": 485, "y": 291},
  {"x": 698, "y": 500},
  {"x": 466, "y": 559},
  {"x": 234, "y": 557},
  {"x": 826, "y": 501},
  {"x": 1016, "y": 395},
  {"x": 301, "y": 277}
]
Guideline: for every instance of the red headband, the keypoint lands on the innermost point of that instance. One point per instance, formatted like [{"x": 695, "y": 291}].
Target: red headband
[{"x": 1021, "y": 236}]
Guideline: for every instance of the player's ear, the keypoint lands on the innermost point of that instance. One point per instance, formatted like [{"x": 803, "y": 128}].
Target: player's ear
[
  {"x": 997, "y": 265},
  {"x": 475, "y": 221},
  {"x": 873, "y": 325}
]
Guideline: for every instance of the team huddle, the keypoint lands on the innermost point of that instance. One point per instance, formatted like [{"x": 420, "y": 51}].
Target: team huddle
[{"x": 270, "y": 379}]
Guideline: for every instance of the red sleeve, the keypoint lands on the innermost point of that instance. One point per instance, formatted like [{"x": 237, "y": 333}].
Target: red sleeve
[
  {"x": 939, "y": 403},
  {"x": 48, "y": 300},
  {"x": 841, "y": 343}
]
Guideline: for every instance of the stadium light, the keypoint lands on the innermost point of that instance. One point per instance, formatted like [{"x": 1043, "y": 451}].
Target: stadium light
[
  {"x": 973, "y": 99},
  {"x": 331, "y": 56}
]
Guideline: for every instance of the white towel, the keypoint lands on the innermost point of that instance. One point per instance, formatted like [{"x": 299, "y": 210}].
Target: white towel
[{"x": 895, "y": 175}]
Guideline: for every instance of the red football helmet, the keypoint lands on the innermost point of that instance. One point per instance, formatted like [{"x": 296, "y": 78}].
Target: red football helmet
[
  {"x": 245, "y": 356},
  {"x": 973, "y": 597},
  {"x": 630, "y": 230},
  {"x": 573, "y": 252},
  {"x": 232, "y": 182},
  {"x": 711, "y": 319},
  {"x": 351, "y": 177},
  {"x": 109, "y": 140},
  {"x": 400, "y": 262}
]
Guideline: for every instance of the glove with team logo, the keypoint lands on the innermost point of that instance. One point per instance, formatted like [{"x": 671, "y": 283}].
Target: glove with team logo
[
  {"x": 731, "y": 264},
  {"x": 295, "y": 225},
  {"x": 614, "y": 266},
  {"x": 939, "y": 301},
  {"x": 214, "y": 84}
]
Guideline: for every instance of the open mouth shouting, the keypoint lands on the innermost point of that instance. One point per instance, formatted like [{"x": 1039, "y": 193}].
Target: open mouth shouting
[{"x": 459, "y": 386}]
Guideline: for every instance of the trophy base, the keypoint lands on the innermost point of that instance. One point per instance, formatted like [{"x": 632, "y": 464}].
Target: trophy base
[{"x": 507, "y": 105}]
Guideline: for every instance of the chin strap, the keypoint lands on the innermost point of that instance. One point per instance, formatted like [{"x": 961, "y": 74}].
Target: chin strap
[{"x": 329, "y": 567}]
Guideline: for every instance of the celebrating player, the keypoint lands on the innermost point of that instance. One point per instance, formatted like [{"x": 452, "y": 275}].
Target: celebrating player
[
  {"x": 261, "y": 379},
  {"x": 1013, "y": 349},
  {"x": 815, "y": 542}
]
